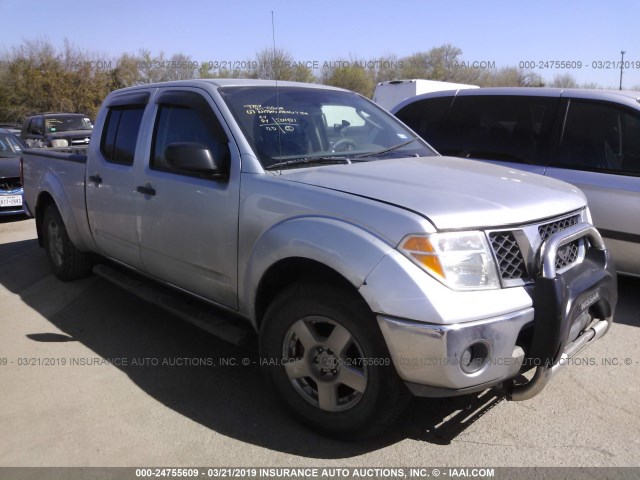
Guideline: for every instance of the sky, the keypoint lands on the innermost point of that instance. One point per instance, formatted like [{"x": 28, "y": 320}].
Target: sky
[{"x": 499, "y": 32}]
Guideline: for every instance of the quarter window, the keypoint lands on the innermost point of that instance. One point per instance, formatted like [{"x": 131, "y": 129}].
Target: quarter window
[
  {"x": 427, "y": 118},
  {"x": 118, "y": 144}
]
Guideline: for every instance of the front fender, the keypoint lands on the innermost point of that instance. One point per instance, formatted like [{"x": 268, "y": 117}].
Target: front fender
[
  {"x": 398, "y": 288},
  {"x": 346, "y": 248}
]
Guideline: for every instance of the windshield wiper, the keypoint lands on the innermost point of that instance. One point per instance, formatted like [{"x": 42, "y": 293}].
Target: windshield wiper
[
  {"x": 309, "y": 161},
  {"x": 386, "y": 150}
]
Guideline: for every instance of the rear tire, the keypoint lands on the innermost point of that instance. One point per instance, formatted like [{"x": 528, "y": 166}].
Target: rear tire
[
  {"x": 66, "y": 261},
  {"x": 325, "y": 355}
]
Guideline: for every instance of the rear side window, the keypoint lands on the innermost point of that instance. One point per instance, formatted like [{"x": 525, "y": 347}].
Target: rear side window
[
  {"x": 36, "y": 126},
  {"x": 26, "y": 127},
  {"x": 427, "y": 118},
  {"x": 600, "y": 137},
  {"x": 118, "y": 144},
  {"x": 508, "y": 128}
]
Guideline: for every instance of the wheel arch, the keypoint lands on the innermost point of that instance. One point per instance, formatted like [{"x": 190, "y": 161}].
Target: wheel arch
[
  {"x": 312, "y": 247},
  {"x": 44, "y": 200},
  {"x": 72, "y": 209},
  {"x": 290, "y": 271}
]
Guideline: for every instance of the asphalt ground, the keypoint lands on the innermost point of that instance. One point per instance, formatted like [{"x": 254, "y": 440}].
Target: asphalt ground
[{"x": 92, "y": 376}]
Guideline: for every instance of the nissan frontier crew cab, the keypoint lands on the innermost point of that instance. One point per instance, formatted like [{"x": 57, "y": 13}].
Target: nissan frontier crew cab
[{"x": 370, "y": 266}]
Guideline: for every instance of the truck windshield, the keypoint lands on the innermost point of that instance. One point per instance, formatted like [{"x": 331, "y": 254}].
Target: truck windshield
[
  {"x": 66, "y": 123},
  {"x": 10, "y": 146},
  {"x": 292, "y": 127}
]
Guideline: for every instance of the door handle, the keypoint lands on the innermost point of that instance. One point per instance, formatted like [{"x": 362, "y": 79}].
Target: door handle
[
  {"x": 97, "y": 179},
  {"x": 146, "y": 190}
]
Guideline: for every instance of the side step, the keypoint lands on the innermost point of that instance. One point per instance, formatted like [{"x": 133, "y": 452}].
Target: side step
[{"x": 228, "y": 327}]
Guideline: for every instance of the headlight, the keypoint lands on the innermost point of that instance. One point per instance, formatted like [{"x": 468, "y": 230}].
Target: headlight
[
  {"x": 60, "y": 142},
  {"x": 460, "y": 260}
]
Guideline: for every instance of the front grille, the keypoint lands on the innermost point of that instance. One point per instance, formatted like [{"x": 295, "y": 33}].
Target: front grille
[
  {"x": 568, "y": 253},
  {"x": 509, "y": 254},
  {"x": 507, "y": 251},
  {"x": 10, "y": 184},
  {"x": 549, "y": 229}
]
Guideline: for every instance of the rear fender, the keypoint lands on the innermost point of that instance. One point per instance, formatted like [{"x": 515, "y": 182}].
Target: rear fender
[{"x": 70, "y": 202}]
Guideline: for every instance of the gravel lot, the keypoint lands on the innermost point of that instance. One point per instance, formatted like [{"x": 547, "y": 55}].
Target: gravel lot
[{"x": 171, "y": 394}]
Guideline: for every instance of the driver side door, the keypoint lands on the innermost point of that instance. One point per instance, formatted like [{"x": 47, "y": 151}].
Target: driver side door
[{"x": 189, "y": 222}]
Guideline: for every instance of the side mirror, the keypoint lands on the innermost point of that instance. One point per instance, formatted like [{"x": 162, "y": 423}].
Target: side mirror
[{"x": 197, "y": 158}]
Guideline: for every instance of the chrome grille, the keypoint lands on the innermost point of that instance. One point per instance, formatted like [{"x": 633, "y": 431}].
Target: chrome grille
[
  {"x": 508, "y": 255},
  {"x": 516, "y": 251},
  {"x": 549, "y": 229},
  {"x": 568, "y": 253}
]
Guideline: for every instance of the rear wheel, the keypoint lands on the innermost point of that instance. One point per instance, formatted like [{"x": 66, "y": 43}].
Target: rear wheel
[
  {"x": 67, "y": 262},
  {"x": 324, "y": 353}
]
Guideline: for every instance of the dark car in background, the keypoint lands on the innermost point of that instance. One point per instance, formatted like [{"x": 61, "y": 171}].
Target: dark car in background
[
  {"x": 590, "y": 138},
  {"x": 56, "y": 130},
  {"x": 11, "y": 148}
]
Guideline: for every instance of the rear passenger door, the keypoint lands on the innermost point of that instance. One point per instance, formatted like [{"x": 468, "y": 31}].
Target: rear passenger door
[
  {"x": 599, "y": 152},
  {"x": 189, "y": 222},
  {"x": 112, "y": 202}
]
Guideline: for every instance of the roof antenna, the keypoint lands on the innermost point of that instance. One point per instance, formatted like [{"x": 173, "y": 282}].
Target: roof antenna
[{"x": 275, "y": 76}]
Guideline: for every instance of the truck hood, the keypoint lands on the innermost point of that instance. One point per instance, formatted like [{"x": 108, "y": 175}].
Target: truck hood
[
  {"x": 70, "y": 134},
  {"x": 9, "y": 167},
  {"x": 453, "y": 193}
]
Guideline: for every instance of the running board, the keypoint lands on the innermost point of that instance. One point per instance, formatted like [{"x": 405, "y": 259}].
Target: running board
[{"x": 228, "y": 327}]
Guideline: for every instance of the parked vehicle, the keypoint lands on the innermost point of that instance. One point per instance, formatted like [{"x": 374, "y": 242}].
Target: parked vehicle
[
  {"x": 391, "y": 93},
  {"x": 11, "y": 127},
  {"x": 369, "y": 266},
  {"x": 11, "y": 148},
  {"x": 590, "y": 138},
  {"x": 57, "y": 130}
]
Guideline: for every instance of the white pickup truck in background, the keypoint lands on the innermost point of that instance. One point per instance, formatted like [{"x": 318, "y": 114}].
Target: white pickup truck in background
[{"x": 369, "y": 266}]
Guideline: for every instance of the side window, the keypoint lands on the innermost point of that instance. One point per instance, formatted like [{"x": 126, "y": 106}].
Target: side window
[
  {"x": 26, "y": 127},
  {"x": 176, "y": 123},
  {"x": 496, "y": 127},
  {"x": 37, "y": 126},
  {"x": 631, "y": 144},
  {"x": 120, "y": 135},
  {"x": 428, "y": 119},
  {"x": 600, "y": 137}
]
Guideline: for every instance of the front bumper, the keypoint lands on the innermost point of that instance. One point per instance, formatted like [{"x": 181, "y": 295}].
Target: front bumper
[
  {"x": 570, "y": 310},
  {"x": 428, "y": 356},
  {"x": 11, "y": 209}
]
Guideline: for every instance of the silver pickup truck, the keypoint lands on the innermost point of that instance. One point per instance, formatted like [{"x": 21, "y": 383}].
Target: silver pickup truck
[{"x": 369, "y": 266}]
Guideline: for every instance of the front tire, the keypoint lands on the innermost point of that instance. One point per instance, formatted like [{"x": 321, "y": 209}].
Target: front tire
[
  {"x": 66, "y": 261},
  {"x": 326, "y": 356}
]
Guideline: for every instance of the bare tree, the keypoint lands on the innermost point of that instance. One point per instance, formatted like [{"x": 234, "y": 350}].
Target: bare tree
[
  {"x": 278, "y": 65},
  {"x": 565, "y": 80}
]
